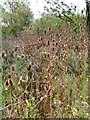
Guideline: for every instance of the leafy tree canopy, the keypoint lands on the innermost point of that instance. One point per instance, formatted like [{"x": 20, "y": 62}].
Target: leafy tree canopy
[
  {"x": 63, "y": 11},
  {"x": 16, "y": 15}
]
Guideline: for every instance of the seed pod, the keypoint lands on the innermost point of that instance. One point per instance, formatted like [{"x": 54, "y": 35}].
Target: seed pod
[
  {"x": 53, "y": 49},
  {"x": 41, "y": 38},
  {"x": 3, "y": 54},
  {"x": 9, "y": 76},
  {"x": 10, "y": 82},
  {"x": 48, "y": 42},
  {"x": 29, "y": 67},
  {"x": 16, "y": 48},
  {"x": 49, "y": 29},
  {"x": 45, "y": 32},
  {"x": 12, "y": 68},
  {"x": 56, "y": 44}
]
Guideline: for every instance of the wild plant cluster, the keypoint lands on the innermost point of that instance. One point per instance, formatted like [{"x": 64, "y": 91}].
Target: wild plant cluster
[{"x": 45, "y": 76}]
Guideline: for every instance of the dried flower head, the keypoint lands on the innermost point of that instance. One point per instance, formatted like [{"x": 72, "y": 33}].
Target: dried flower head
[
  {"x": 29, "y": 67},
  {"x": 3, "y": 54},
  {"x": 45, "y": 31},
  {"x": 9, "y": 76},
  {"x": 41, "y": 38},
  {"x": 49, "y": 29},
  {"x": 48, "y": 42},
  {"x": 16, "y": 48},
  {"x": 13, "y": 68}
]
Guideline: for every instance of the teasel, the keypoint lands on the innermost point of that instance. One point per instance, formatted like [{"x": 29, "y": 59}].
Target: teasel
[
  {"x": 29, "y": 77},
  {"x": 53, "y": 40},
  {"x": 16, "y": 48},
  {"x": 41, "y": 38},
  {"x": 45, "y": 32},
  {"x": 56, "y": 43},
  {"x": 9, "y": 85},
  {"x": 53, "y": 49},
  {"x": 23, "y": 56},
  {"x": 11, "y": 53},
  {"x": 9, "y": 76},
  {"x": 16, "y": 78},
  {"x": 41, "y": 103},
  {"x": 5, "y": 57},
  {"x": 49, "y": 29},
  {"x": 29, "y": 67},
  {"x": 13, "y": 68},
  {"x": 48, "y": 43},
  {"x": 3, "y": 54}
]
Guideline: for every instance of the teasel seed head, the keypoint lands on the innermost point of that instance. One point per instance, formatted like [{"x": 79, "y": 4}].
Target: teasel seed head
[
  {"x": 41, "y": 38},
  {"x": 13, "y": 68},
  {"x": 48, "y": 42},
  {"x": 16, "y": 48},
  {"x": 3, "y": 54},
  {"x": 45, "y": 31},
  {"x": 23, "y": 56},
  {"x": 9, "y": 76},
  {"x": 49, "y": 29},
  {"x": 53, "y": 49},
  {"x": 11, "y": 82},
  {"x": 29, "y": 67},
  {"x": 56, "y": 44}
]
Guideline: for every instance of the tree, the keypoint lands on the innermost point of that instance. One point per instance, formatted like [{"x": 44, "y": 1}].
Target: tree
[
  {"x": 45, "y": 22},
  {"x": 66, "y": 13},
  {"x": 16, "y": 16},
  {"x": 61, "y": 10}
]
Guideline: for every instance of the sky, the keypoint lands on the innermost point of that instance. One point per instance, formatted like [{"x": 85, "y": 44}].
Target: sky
[{"x": 37, "y": 6}]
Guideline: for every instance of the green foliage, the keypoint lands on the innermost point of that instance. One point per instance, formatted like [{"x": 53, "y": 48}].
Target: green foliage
[
  {"x": 20, "y": 64},
  {"x": 15, "y": 17},
  {"x": 46, "y": 21},
  {"x": 61, "y": 10},
  {"x": 68, "y": 13}
]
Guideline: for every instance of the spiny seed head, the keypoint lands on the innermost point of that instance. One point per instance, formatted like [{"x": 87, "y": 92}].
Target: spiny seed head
[
  {"x": 53, "y": 40},
  {"x": 53, "y": 49},
  {"x": 3, "y": 54},
  {"x": 12, "y": 68},
  {"x": 45, "y": 55},
  {"x": 5, "y": 51},
  {"x": 29, "y": 67},
  {"x": 6, "y": 83},
  {"x": 48, "y": 42},
  {"x": 13, "y": 51},
  {"x": 56, "y": 44},
  {"x": 41, "y": 38},
  {"x": 48, "y": 55},
  {"x": 18, "y": 57},
  {"x": 23, "y": 56},
  {"x": 9, "y": 76},
  {"x": 11, "y": 83},
  {"x": 49, "y": 29},
  {"x": 45, "y": 31},
  {"x": 16, "y": 48}
]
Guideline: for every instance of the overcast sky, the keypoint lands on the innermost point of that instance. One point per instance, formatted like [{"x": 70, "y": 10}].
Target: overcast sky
[{"x": 37, "y": 5}]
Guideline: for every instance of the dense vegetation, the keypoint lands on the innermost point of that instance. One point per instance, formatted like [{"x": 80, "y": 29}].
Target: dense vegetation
[
  {"x": 44, "y": 67},
  {"x": 16, "y": 16}
]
